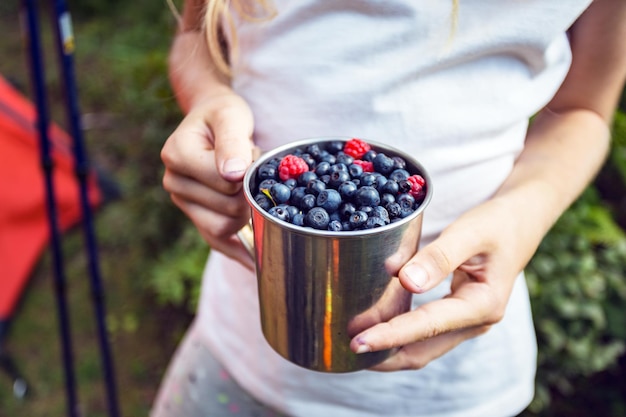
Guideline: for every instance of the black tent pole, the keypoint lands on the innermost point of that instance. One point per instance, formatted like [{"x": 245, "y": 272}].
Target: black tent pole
[
  {"x": 65, "y": 49},
  {"x": 43, "y": 124}
]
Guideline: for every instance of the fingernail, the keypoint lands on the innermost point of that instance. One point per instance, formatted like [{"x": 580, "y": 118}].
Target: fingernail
[
  {"x": 416, "y": 274},
  {"x": 363, "y": 346},
  {"x": 363, "y": 349},
  {"x": 234, "y": 166}
]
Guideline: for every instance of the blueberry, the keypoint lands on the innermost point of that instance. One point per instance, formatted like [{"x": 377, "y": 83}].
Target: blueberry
[
  {"x": 367, "y": 196},
  {"x": 398, "y": 162},
  {"x": 407, "y": 204},
  {"x": 335, "y": 226},
  {"x": 367, "y": 178},
  {"x": 317, "y": 218},
  {"x": 394, "y": 210},
  {"x": 267, "y": 171},
  {"x": 314, "y": 150},
  {"x": 369, "y": 155},
  {"x": 327, "y": 157},
  {"x": 329, "y": 200},
  {"x": 405, "y": 186},
  {"x": 390, "y": 187},
  {"x": 267, "y": 184},
  {"x": 358, "y": 219},
  {"x": 322, "y": 168},
  {"x": 279, "y": 212},
  {"x": 296, "y": 195},
  {"x": 291, "y": 183},
  {"x": 275, "y": 161},
  {"x": 263, "y": 201},
  {"x": 298, "y": 219},
  {"x": 406, "y": 212},
  {"x": 307, "y": 202},
  {"x": 305, "y": 177},
  {"x": 310, "y": 161},
  {"x": 373, "y": 222},
  {"x": 346, "y": 210},
  {"x": 338, "y": 167},
  {"x": 381, "y": 212},
  {"x": 386, "y": 199},
  {"x": 335, "y": 146},
  {"x": 347, "y": 190},
  {"x": 325, "y": 178},
  {"x": 293, "y": 210},
  {"x": 344, "y": 158},
  {"x": 399, "y": 175},
  {"x": 381, "y": 180},
  {"x": 338, "y": 177},
  {"x": 334, "y": 216},
  {"x": 355, "y": 170},
  {"x": 406, "y": 201},
  {"x": 280, "y": 193},
  {"x": 366, "y": 209},
  {"x": 383, "y": 164},
  {"x": 315, "y": 187}
]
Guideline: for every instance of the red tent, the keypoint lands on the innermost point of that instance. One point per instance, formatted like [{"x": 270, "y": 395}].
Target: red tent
[{"x": 24, "y": 229}]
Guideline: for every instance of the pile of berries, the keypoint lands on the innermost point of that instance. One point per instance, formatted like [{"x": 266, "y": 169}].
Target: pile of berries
[{"x": 338, "y": 186}]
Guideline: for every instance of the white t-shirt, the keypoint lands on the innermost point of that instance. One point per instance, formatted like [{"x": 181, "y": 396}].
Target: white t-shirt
[{"x": 458, "y": 97}]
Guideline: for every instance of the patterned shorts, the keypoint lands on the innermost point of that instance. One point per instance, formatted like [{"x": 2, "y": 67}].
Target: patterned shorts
[{"x": 196, "y": 385}]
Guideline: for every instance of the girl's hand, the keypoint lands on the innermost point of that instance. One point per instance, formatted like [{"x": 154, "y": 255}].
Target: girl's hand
[
  {"x": 205, "y": 161},
  {"x": 485, "y": 252}
]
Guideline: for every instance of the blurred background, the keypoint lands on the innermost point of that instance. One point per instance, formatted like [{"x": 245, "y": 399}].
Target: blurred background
[{"x": 151, "y": 257}]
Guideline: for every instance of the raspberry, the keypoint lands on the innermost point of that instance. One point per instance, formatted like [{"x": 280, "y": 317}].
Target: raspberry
[
  {"x": 366, "y": 165},
  {"x": 417, "y": 183},
  {"x": 356, "y": 148},
  {"x": 291, "y": 166}
]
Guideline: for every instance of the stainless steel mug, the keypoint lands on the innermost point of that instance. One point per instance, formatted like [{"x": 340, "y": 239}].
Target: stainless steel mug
[{"x": 318, "y": 289}]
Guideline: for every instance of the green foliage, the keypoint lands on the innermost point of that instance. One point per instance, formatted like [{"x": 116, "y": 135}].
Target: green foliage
[
  {"x": 176, "y": 276},
  {"x": 618, "y": 152}
]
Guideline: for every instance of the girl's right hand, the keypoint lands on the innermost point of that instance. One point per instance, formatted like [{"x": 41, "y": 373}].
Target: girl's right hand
[{"x": 205, "y": 160}]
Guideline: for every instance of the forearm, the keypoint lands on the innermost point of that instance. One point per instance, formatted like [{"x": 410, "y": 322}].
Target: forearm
[
  {"x": 568, "y": 140},
  {"x": 563, "y": 153}
]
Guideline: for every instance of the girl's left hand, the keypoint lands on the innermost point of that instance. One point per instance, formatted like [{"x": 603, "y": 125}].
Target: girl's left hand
[{"x": 485, "y": 251}]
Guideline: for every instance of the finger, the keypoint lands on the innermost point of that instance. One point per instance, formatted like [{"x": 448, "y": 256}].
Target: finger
[
  {"x": 394, "y": 301},
  {"x": 473, "y": 304},
  {"x": 418, "y": 355},
  {"x": 189, "y": 153},
  {"x": 211, "y": 223},
  {"x": 188, "y": 189},
  {"x": 232, "y": 127},
  {"x": 436, "y": 261},
  {"x": 218, "y": 231}
]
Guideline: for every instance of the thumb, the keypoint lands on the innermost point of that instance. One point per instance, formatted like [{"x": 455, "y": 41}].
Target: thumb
[
  {"x": 433, "y": 263},
  {"x": 232, "y": 133}
]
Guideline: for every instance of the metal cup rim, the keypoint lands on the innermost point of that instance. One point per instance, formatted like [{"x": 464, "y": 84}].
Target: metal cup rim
[{"x": 381, "y": 147}]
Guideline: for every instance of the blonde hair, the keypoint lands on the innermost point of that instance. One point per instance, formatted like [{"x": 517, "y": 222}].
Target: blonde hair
[
  {"x": 218, "y": 19},
  {"x": 218, "y": 22}
]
